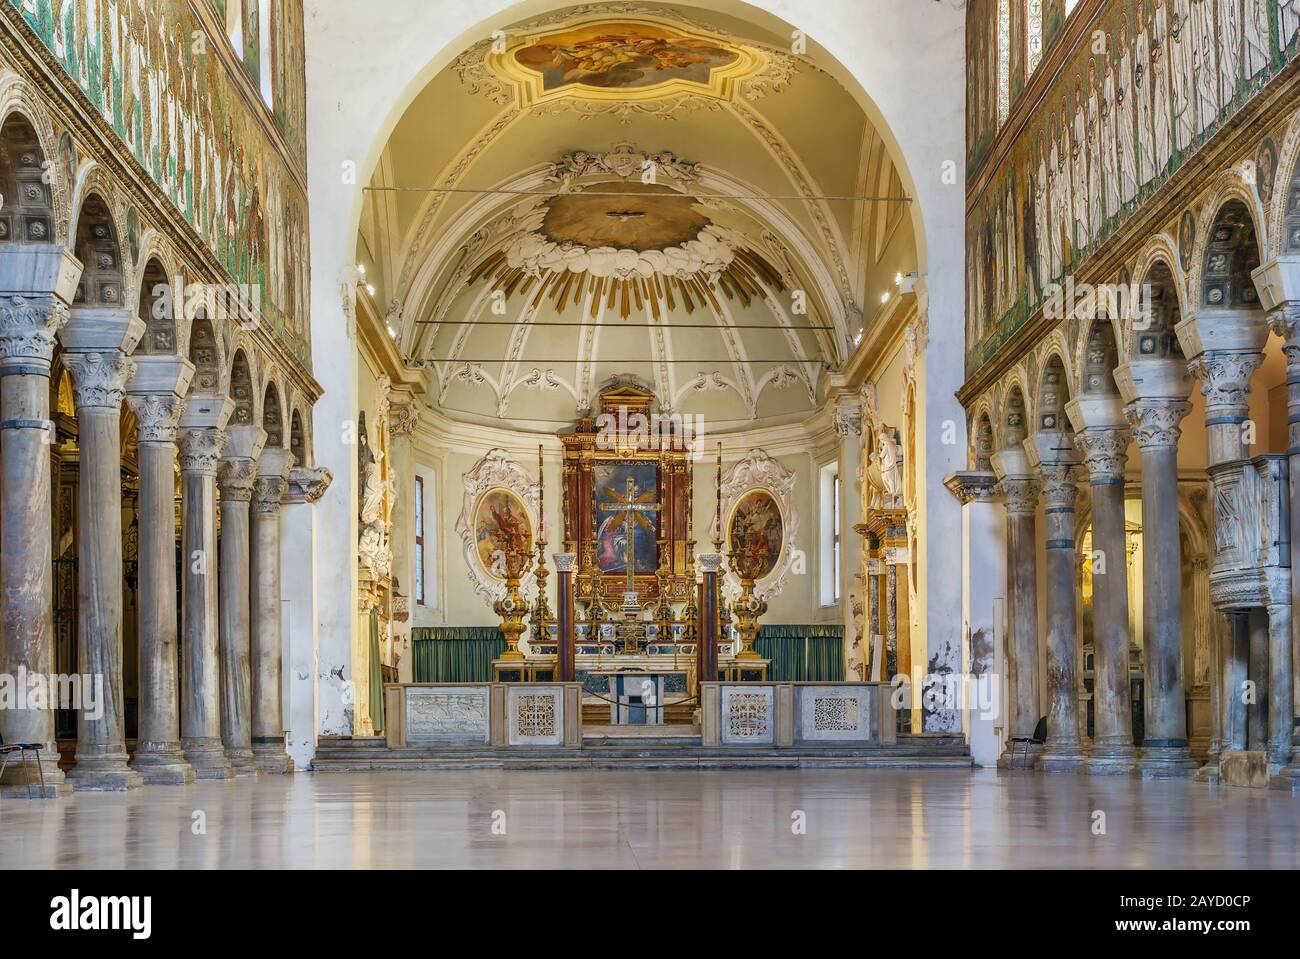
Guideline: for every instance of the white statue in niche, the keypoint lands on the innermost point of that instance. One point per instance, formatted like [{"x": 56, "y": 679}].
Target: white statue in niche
[{"x": 891, "y": 467}]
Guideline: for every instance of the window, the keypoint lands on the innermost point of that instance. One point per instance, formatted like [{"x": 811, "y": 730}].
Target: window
[
  {"x": 1004, "y": 60},
  {"x": 835, "y": 540},
  {"x": 264, "y": 52},
  {"x": 235, "y": 25},
  {"x": 419, "y": 541},
  {"x": 1033, "y": 35},
  {"x": 1070, "y": 5}
]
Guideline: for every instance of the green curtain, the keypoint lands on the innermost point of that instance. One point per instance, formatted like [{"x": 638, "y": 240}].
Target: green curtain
[
  {"x": 455, "y": 654},
  {"x": 376, "y": 675},
  {"x": 803, "y": 653}
]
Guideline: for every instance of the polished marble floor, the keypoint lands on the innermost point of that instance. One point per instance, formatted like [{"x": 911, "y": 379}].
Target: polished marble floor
[{"x": 646, "y": 819}]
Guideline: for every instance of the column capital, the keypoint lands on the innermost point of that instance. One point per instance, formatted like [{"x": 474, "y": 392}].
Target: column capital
[
  {"x": 709, "y": 562},
  {"x": 1019, "y": 494},
  {"x": 201, "y": 449},
  {"x": 1155, "y": 422},
  {"x": 972, "y": 486},
  {"x": 28, "y": 325},
  {"x": 848, "y": 418},
  {"x": 99, "y": 379},
  {"x": 157, "y": 416},
  {"x": 403, "y": 416},
  {"x": 1285, "y": 322},
  {"x": 235, "y": 478},
  {"x": 307, "y": 484},
  {"x": 1060, "y": 484},
  {"x": 268, "y": 491},
  {"x": 1104, "y": 451},
  {"x": 1225, "y": 379},
  {"x": 564, "y": 562}
]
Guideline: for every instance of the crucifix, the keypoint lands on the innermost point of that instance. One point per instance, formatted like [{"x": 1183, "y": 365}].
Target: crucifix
[{"x": 633, "y": 505}]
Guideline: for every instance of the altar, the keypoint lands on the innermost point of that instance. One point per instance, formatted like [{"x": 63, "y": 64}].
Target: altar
[{"x": 637, "y": 698}]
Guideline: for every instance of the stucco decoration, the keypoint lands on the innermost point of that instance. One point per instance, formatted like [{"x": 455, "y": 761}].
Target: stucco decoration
[
  {"x": 495, "y": 472},
  {"x": 759, "y": 471}
]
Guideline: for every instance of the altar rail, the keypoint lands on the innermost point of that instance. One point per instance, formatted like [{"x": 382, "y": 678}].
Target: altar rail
[
  {"x": 483, "y": 714},
  {"x": 797, "y": 714}
]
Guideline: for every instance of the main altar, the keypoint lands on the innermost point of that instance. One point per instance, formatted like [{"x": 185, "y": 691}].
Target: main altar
[{"x": 640, "y": 613}]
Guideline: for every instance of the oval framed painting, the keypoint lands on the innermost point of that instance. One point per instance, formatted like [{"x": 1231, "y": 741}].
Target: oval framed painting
[
  {"x": 500, "y": 522},
  {"x": 756, "y": 532}
]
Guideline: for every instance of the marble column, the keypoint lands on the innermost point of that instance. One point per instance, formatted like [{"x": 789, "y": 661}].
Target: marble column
[
  {"x": 891, "y": 620},
  {"x": 1280, "y": 705},
  {"x": 1064, "y": 750},
  {"x": 200, "y": 452},
  {"x": 235, "y": 480},
  {"x": 1225, "y": 382},
  {"x": 848, "y": 427},
  {"x": 564, "y": 614},
  {"x": 158, "y": 755},
  {"x": 709, "y": 564},
  {"x": 298, "y": 583},
  {"x": 1104, "y": 453},
  {"x": 99, "y": 387},
  {"x": 1165, "y": 748},
  {"x": 265, "y": 634},
  {"x": 1020, "y": 497},
  {"x": 28, "y": 325},
  {"x": 1285, "y": 322}
]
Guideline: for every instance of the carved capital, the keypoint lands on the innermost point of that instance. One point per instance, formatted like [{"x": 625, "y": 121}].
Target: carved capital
[
  {"x": 709, "y": 562},
  {"x": 1105, "y": 451},
  {"x": 268, "y": 491},
  {"x": 28, "y": 326},
  {"x": 402, "y": 419},
  {"x": 156, "y": 416},
  {"x": 1060, "y": 485},
  {"x": 235, "y": 478},
  {"x": 1285, "y": 322},
  {"x": 99, "y": 379},
  {"x": 1225, "y": 379},
  {"x": 848, "y": 420},
  {"x": 1155, "y": 422},
  {"x": 201, "y": 449},
  {"x": 1019, "y": 494},
  {"x": 972, "y": 487},
  {"x": 307, "y": 484},
  {"x": 564, "y": 562}
]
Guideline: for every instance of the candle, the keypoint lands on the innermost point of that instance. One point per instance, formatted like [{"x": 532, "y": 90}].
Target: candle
[{"x": 541, "y": 497}]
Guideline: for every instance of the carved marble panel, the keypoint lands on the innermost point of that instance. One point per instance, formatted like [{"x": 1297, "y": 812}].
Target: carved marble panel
[
  {"x": 535, "y": 715},
  {"x": 834, "y": 714},
  {"x": 445, "y": 715},
  {"x": 748, "y": 715}
]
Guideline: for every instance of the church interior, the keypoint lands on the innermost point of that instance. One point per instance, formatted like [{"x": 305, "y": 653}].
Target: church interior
[{"x": 681, "y": 430}]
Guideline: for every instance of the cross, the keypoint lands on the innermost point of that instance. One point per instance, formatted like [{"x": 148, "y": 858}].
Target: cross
[{"x": 633, "y": 506}]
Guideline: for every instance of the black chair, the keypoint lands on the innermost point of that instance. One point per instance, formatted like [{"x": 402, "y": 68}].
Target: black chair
[
  {"x": 1023, "y": 746},
  {"x": 7, "y": 749}
]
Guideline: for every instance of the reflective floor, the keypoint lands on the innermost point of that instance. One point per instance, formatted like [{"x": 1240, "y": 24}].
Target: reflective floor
[{"x": 648, "y": 819}]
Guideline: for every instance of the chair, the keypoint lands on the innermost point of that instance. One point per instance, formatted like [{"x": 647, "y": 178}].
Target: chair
[
  {"x": 7, "y": 749},
  {"x": 1028, "y": 743}
]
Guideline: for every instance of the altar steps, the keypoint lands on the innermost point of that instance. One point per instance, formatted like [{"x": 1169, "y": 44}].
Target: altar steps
[
  {"x": 359, "y": 755},
  {"x": 675, "y": 714}
]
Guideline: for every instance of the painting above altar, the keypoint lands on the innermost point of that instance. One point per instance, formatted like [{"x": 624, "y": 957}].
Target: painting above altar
[
  {"x": 757, "y": 532},
  {"x": 500, "y": 523},
  {"x": 626, "y": 496}
]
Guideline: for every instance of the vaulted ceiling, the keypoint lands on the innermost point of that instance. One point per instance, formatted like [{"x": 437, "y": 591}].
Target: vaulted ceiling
[{"x": 656, "y": 193}]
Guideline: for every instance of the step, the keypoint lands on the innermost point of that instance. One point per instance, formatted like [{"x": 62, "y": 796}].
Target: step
[{"x": 637, "y": 736}]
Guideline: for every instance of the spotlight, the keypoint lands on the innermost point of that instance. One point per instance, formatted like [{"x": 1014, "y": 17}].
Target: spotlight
[{"x": 884, "y": 297}]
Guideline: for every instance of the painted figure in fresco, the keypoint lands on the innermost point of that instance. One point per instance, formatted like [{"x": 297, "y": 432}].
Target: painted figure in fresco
[
  {"x": 1042, "y": 221},
  {"x": 1288, "y": 19},
  {"x": 1207, "y": 64},
  {"x": 1011, "y": 257},
  {"x": 1182, "y": 60},
  {"x": 1256, "y": 33},
  {"x": 1030, "y": 232},
  {"x": 622, "y": 60},
  {"x": 1079, "y": 173},
  {"x": 1160, "y": 90},
  {"x": 1058, "y": 209},
  {"x": 1230, "y": 43},
  {"x": 1126, "y": 122},
  {"x": 1094, "y": 154},
  {"x": 1110, "y": 144},
  {"x": 1142, "y": 99}
]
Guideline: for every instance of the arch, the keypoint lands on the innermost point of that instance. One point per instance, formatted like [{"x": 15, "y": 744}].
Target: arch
[
  {"x": 1284, "y": 209},
  {"x": 1053, "y": 394},
  {"x": 272, "y": 416},
  {"x": 155, "y": 306},
  {"x": 206, "y": 355},
  {"x": 18, "y": 100},
  {"x": 1153, "y": 321},
  {"x": 1230, "y": 189},
  {"x": 1098, "y": 357},
  {"x": 298, "y": 438},
  {"x": 1231, "y": 254},
  {"x": 981, "y": 451},
  {"x": 1015, "y": 419},
  {"x": 103, "y": 276},
  {"x": 27, "y": 215},
  {"x": 241, "y": 389}
]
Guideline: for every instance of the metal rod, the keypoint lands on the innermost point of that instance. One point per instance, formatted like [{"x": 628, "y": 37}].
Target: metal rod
[
  {"x": 748, "y": 361},
  {"x": 624, "y": 325},
  {"x": 855, "y": 198}
]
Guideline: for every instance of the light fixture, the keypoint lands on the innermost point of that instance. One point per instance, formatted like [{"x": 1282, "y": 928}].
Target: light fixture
[
  {"x": 884, "y": 297},
  {"x": 857, "y": 339},
  {"x": 898, "y": 279},
  {"x": 361, "y": 268},
  {"x": 370, "y": 288}
]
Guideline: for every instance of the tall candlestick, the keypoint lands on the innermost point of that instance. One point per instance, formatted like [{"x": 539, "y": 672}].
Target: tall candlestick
[
  {"x": 717, "y": 513},
  {"x": 541, "y": 496}
]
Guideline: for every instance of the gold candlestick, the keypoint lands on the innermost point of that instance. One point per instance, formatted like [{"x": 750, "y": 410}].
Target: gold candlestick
[{"x": 511, "y": 607}]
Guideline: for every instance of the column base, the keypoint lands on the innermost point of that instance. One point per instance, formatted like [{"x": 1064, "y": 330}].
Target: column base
[
  {"x": 1166, "y": 762},
  {"x": 1063, "y": 759},
  {"x": 23, "y": 777},
  {"x": 1288, "y": 779},
  {"x": 242, "y": 761},
  {"x": 1014, "y": 755},
  {"x": 270, "y": 756},
  {"x": 106, "y": 772},
  {"x": 1112, "y": 759},
  {"x": 207, "y": 759},
  {"x": 162, "y": 764}
]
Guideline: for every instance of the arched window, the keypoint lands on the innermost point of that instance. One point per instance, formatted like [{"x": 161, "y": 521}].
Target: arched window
[
  {"x": 1004, "y": 60},
  {"x": 1033, "y": 35}
]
